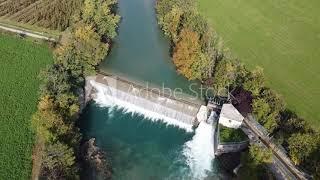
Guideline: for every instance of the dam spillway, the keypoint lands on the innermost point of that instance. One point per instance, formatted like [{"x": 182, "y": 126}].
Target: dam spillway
[{"x": 135, "y": 98}]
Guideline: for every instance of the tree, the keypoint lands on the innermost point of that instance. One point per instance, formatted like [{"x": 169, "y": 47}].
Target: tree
[
  {"x": 99, "y": 14},
  {"x": 264, "y": 115},
  {"x": 270, "y": 122},
  {"x": 54, "y": 80},
  {"x": 57, "y": 162},
  {"x": 171, "y": 23},
  {"x": 259, "y": 155},
  {"x": 49, "y": 125},
  {"x": 255, "y": 81},
  {"x": 275, "y": 100},
  {"x": 88, "y": 48},
  {"x": 224, "y": 75},
  {"x": 212, "y": 48},
  {"x": 253, "y": 163},
  {"x": 242, "y": 74},
  {"x": 68, "y": 104},
  {"x": 66, "y": 55},
  {"x": 196, "y": 22},
  {"x": 301, "y": 146},
  {"x": 290, "y": 124},
  {"x": 88, "y": 10},
  {"x": 187, "y": 55},
  {"x": 163, "y": 7},
  {"x": 261, "y": 109}
]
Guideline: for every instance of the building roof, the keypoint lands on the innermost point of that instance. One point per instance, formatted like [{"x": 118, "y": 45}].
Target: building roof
[{"x": 230, "y": 112}]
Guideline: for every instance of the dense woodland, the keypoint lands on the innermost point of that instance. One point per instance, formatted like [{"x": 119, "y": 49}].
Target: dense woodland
[
  {"x": 199, "y": 53},
  {"x": 57, "y": 136},
  {"x": 52, "y": 14}
]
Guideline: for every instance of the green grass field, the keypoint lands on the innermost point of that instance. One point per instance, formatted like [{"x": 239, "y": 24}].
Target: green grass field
[
  {"x": 20, "y": 63},
  {"x": 283, "y": 37}
]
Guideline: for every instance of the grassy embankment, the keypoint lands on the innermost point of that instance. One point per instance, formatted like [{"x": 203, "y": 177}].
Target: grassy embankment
[
  {"x": 282, "y": 37},
  {"x": 20, "y": 63},
  {"x": 231, "y": 135}
]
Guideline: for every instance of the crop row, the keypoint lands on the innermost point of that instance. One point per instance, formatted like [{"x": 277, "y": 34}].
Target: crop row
[{"x": 51, "y": 14}]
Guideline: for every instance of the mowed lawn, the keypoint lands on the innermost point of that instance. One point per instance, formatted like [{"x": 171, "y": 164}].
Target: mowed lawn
[
  {"x": 20, "y": 63},
  {"x": 281, "y": 36}
]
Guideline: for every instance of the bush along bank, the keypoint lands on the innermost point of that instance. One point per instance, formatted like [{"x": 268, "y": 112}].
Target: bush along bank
[
  {"x": 82, "y": 48},
  {"x": 198, "y": 53}
]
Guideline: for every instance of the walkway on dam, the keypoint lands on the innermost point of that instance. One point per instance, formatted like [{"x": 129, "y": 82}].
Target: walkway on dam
[
  {"x": 184, "y": 98},
  {"x": 149, "y": 101}
]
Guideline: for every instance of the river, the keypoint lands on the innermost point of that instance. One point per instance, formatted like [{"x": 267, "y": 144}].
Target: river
[
  {"x": 141, "y": 52},
  {"x": 138, "y": 148}
]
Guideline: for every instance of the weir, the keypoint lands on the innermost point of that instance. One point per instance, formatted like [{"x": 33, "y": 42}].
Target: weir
[
  {"x": 151, "y": 102},
  {"x": 108, "y": 90}
]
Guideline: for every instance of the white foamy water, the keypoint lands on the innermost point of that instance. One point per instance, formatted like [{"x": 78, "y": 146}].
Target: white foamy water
[
  {"x": 107, "y": 96},
  {"x": 199, "y": 151}
]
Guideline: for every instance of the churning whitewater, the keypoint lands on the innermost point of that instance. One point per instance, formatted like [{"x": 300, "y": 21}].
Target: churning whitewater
[
  {"x": 200, "y": 152},
  {"x": 107, "y": 96}
]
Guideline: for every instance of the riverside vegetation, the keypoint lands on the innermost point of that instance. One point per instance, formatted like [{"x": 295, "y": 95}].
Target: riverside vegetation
[
  {"x": 57, "y": 136},
  {"x": 198, "y": 53}
]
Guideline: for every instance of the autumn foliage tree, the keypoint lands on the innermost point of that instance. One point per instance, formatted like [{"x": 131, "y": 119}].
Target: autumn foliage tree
[
  {"x": 98, "y": 13},
  {"x": 187, "y": 55}
]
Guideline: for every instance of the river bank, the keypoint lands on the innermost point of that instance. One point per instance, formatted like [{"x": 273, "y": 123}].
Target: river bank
[
  {"x": 76, "y": 57},
  {"x": 144, "y": 147}
]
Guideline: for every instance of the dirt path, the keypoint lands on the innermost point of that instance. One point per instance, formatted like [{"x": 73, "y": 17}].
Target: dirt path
[{"x": 25, "y": 32}]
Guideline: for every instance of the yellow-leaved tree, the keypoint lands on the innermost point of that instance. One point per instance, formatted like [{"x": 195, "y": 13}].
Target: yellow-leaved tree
[{"x": 187, "y": 57}]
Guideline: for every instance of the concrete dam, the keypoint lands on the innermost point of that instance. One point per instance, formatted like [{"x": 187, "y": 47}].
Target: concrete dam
[
  {"x": 155, "y": 105},
  {"x": 151, "y": 102}
]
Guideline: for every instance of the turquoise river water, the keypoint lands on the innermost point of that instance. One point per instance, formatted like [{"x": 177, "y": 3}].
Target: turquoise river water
[{"x": 138, "y": 148}]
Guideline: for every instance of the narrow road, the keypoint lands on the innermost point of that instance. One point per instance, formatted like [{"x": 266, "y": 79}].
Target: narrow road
[{"x": 33, "y": 34}]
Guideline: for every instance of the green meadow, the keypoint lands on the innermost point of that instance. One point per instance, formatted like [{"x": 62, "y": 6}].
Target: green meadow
[
  {"x": 283, "y": 37},
  {"x": 20, "y": 64}
]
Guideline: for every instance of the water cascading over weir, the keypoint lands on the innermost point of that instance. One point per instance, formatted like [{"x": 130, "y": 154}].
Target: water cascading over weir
[
  {"x": 199, "y": 152},
  {"x": 134, "y": 98}
]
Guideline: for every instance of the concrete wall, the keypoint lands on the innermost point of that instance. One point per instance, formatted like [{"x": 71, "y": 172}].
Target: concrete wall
[
  {"x": 231, "y": 147},
  {"x": 229, "y": 123},
  {"x": 126, "y": 91}
]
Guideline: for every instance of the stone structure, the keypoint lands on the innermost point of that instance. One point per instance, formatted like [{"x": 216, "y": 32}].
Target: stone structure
[{"x": 230, "y": 116}]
